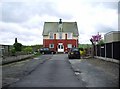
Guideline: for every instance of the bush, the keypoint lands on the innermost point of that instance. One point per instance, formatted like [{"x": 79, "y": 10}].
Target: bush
[
  {"x": 17, "y": 46},
  {"x": 13, "y": 52},
  {"x": 27, "y": 50}
]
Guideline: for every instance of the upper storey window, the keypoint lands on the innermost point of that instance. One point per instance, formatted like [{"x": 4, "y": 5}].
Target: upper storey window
[
  {"x": 51, "y": 36},
  {"x": 60, "y": 35},
  {"x": 69, "y": 36}
]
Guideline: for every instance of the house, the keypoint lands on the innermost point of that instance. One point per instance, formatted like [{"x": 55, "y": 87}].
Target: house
[{"x": 60, "y": 36}]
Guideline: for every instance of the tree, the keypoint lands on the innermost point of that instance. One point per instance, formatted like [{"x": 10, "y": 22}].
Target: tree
[
  {"x": 17, "y": 46},
  {"x": 93, "y": 47},
  {"x": 12, "y": 50}
]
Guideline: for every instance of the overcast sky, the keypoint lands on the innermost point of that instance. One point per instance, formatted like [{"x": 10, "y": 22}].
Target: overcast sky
[{"x": 24, "y": 19}]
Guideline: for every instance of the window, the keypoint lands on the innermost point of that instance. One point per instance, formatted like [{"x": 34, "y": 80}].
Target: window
[
  {"x": 46, "y": 48},
  {"x": 60, "y": 35},
  {"x": 69, "y": 45},
  {"x": 69, "y": 35},
  {"x": 75, "y": 49},
  {"x": 60, "y": 28},
  {"x": 61, "y": 46},
  {"x": 51, "y": 36},
  {"x": 51, "y": 45}
]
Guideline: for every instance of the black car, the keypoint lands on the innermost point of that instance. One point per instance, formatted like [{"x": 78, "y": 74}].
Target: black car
[
  {"x": 46, "y": 51},
  {"x": 74, "y": 53}
]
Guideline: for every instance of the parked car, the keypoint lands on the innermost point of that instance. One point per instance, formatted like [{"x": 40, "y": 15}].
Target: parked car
[
  {"x": 74, "y": 53},
  {"x": 46, "y": 51}
]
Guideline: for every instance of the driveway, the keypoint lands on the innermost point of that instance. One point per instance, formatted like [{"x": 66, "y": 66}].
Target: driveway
[
  {"x": 59, "y": 71},
  {"x": 56, "y": 72}
]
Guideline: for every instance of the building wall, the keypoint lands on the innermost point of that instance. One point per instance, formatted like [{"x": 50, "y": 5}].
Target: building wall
[
  {"x": 46, "y": 43},
  {"x": 46, "y": 37},
  {"x": 112, "y": 36},
  {"x": 57, "y": 36}
]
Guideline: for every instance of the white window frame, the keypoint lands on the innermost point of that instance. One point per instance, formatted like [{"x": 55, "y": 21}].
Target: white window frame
[
  {"x": 69, "y": 35},
  {"x": 51, "y": 35},
  {"x": 60, "y": 28},
  {"x": 69, "y": 45},
  {"x": 51, "y": 45},
  {"x": 60, "y": 36}
]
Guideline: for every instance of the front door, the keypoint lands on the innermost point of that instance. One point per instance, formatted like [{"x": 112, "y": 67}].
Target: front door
[{"x": 60, "y": 47}]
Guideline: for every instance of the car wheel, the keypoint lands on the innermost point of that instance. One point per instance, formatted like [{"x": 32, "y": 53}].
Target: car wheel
[
  {"x": 78, "y": 57},
  {"x": 52, "y": 52},
  {"x": 43, "y": 53}
]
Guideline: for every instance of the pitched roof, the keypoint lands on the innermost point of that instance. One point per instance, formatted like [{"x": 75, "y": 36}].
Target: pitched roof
[{"x": 54, "y": 26}]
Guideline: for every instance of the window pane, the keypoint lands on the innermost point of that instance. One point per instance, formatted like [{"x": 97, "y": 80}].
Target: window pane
[
  {"x": 69, "y": 45},
  {"x": 59, "y": 46},
  {"x": 69, "y": 36},
  {"x": 60, "y": 35},
  {"x": 51, "y": 36},
  {"x": 75, "y": 49},
  {"x": 51, "y": 45}
]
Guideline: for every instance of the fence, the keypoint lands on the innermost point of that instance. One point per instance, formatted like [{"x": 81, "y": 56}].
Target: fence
[{"x": 109, "y": 50}]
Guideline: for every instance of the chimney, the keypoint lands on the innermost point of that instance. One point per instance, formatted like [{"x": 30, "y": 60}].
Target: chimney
[
  {"x": 15, "y": 40},
  {"x": 60, "y": 21}
]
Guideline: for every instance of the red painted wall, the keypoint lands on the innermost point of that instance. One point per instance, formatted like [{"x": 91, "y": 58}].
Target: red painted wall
[{"x": 46, "y": 43}]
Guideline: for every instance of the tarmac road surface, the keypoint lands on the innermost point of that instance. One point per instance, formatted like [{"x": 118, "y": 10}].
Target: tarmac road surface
[{"x": 56, "y": 72}]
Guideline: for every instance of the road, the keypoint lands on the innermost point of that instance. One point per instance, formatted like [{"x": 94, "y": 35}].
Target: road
[
  {"x": 55, "y": 72},
  {"x": 17, "y": 70},
  {"x": 59, "y": 71},
  {"x": 96, "y": 72}
]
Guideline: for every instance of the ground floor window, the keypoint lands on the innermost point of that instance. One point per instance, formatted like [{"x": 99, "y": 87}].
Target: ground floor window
[
  {"x": 69, "y": 45},
  {"x": 51, "y": 45}
]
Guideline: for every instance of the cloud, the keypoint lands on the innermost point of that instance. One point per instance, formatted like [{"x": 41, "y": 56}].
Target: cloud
[
  {"x": 9, "y": 31},
  {"x": 104, "y": 28},
  {"x": 24, "y": 19},
  {"x": 21, "y": 11}
]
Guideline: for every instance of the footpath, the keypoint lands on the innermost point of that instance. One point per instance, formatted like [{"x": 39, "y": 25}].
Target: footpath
[{"x": 11, "y": 59}]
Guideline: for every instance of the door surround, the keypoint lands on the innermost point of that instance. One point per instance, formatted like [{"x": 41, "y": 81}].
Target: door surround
[{"x": 60, "y": 47}]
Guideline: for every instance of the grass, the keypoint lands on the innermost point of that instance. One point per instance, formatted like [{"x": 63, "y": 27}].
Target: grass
[{"x": 37, "y": 54}]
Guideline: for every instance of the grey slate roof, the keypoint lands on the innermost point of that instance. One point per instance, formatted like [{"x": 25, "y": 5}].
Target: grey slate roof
[{"x": 54, "y": 26}]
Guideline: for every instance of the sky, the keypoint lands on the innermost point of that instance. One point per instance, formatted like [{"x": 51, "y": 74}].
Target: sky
[{"x": 24, "y": 19}]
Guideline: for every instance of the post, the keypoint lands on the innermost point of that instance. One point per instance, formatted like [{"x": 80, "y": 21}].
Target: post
[
  {"x": 112, "y": 49},
  {"x": 96, "y": 49},
  {"x": 105, "y": 50}
]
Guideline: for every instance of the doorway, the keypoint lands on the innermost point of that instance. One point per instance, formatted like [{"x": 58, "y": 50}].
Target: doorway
[{"x": 60, "y": 47}]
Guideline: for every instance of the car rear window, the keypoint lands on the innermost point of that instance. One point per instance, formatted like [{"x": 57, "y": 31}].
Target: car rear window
[
  {"x": 75, "y": 49},
  {"x": 46, "y": 48}
]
